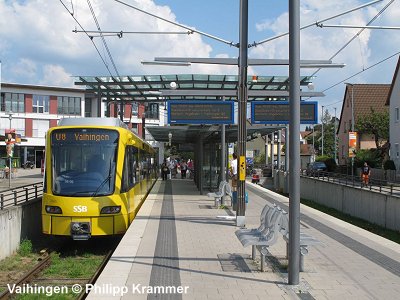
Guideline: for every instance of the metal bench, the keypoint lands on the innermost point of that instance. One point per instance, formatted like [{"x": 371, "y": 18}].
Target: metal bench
[
  {"x": 305, "y": 240},
  {"x": 261, "y": 239},
  {"x": 265, "y": 219},
  {"x": 273, "y": 220},
  {"x": 224, "y": 189}
]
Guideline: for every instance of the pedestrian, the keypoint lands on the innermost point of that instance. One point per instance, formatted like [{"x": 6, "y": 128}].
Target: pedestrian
[
  {"x": 365, "y": 174},
  {"x": 164, "y": 170},
  {"x": 190, "y": 167},
  {"x": 234, "y": 178},
  {"x": 233, "y": 172},
  {"x": 171, "y": 166},
  {"x": 183, "y": 168}
]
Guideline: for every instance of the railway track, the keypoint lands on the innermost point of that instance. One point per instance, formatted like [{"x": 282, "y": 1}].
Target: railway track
[
  {"x": 37, "y": 284},
  {"x": 28, "y": 277}
]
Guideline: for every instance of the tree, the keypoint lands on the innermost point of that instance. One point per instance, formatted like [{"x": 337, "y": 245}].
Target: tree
[{"x": 377, "y": 124}]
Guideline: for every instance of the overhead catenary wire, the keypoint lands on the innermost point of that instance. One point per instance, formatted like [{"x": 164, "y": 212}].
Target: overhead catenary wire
[
  {"x": 102, "y": 37},
  {"x": 358, "y": 73},
  {"x": 314, "y": 23},
  {"x": 91, "y": 39},
  {"x": 121, "y": 33},
  {"x": 357, "y": 34},
  {"x": 230, "y": 43}
]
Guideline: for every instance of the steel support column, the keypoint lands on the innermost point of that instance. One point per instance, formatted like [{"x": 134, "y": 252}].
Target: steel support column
[
  {"x": 287, "y": 143},
  {"x": 200, "y": 164},
  {"x": 294, "y": 150},
  {"x": 242, "y": 109},
  {"x": 223, "y": 161},
  {"x": 278, "y": 160},
  {"x": 272, "y": 153}
]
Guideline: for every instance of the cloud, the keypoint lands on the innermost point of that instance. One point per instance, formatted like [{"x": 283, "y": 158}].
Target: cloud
[
  {"x": 41, "y": 31},
  {"x": 366, "y": 49},
  {"x": 24, "y": 68},
  {"x": 55, "y": 75}
]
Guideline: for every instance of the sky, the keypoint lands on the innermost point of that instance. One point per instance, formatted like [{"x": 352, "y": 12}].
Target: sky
[{"x": 38, "y": 45}]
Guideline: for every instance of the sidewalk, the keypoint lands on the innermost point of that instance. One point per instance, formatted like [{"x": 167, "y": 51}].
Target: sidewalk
[
  {"x": 24, "y": 177},
  {"x": 176, "y": 248}
]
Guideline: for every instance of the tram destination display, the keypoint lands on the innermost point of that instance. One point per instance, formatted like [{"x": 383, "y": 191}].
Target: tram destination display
[
  {"x": 200, "y": 112},
  {"x": 277, "y": 112}
]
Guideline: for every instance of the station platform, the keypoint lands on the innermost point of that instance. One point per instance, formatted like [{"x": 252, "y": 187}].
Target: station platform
[{"x": 177, "y": 248}]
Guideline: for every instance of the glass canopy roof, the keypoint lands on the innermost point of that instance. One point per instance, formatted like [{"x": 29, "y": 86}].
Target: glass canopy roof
[{"x": 150, "y": 87}]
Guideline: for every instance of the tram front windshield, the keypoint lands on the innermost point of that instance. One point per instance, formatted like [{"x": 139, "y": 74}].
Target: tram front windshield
[{"x": 83, "y": 161}]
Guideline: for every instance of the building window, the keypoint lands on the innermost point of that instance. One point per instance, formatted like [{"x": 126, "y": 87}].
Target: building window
[
  {"x": 40, "y": 104},
  {"x": 88, "y": 107},
  {"x": 69, "y": 105},
  {"x": 396, "y": 148},
  {"x": 396, "y": 114},
  {"x": 152, "y": 111},
  {"x": 345, "y": 127},
  {"x": 39, "y": 128},
  {"x": 343, "y": 156},
  {"x": 135, "y": 108},
  {"x": 13, "y": 102}
]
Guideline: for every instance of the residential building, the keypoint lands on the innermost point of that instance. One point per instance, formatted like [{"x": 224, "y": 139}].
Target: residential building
[
  {"x": 393, "y": 100},
  {"x": 31, "y": 110},
  {"x": 358, "y": 101}
]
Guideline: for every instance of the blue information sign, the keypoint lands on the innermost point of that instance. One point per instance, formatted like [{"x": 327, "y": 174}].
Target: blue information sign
[
  {"x": 277, "y": 112},
  {"x": 200, "y": 112}
]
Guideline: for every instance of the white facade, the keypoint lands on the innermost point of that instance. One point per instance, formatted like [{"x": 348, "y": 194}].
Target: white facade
[{"x": 394, "y": 111}]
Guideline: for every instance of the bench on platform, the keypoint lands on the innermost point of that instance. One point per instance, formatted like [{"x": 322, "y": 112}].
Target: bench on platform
[
  {"x": 224, "y": 189},
  {"x": 305, "y": 241},
  {"x": 273, "y": 220}
]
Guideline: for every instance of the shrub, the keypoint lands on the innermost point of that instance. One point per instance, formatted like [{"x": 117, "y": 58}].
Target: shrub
[
  {"x": 25, "y": 248},
  {"x": 389, "y": 165},
  {"x": 330, "y": 164},
  {"x": 371, "y": 156}
]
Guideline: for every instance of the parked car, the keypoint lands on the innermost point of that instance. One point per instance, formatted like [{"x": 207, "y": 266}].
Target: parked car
[
  {"x": 255, "y": 176},
  {"x": 267, "y": 171},
  {"x": 314, "y": 167}
]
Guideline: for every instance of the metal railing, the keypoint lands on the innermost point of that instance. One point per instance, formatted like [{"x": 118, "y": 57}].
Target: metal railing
[
  {"x": 382, "y": 186},
  {"x": 21, "y": 195}
]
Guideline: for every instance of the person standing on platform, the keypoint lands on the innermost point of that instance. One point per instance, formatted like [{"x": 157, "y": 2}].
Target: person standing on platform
[
  {"x": 184, "y": 167},
  {"x": 234, "y": 177},
  {"x": 233, "y": 172},
  {"x": 164, "y": 170}
]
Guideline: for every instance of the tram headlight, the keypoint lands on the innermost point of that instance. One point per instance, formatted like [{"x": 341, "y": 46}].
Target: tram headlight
[
  {"x": 110, "y": 210},
  {"x": 53, "y": 209}
]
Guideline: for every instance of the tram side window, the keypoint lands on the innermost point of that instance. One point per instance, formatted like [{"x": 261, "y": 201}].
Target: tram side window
[{"x": 129, "y": 177}]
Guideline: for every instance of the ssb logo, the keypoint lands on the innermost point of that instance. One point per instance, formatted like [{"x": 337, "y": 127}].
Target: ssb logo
[{"x": 80, "y": 208}]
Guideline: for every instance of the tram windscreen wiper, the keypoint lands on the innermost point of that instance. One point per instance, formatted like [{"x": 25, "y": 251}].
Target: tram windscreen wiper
[{"x": 108, "y": 178}]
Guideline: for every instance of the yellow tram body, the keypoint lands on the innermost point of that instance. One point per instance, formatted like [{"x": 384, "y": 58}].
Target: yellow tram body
[{"x": 97, "y": 175}]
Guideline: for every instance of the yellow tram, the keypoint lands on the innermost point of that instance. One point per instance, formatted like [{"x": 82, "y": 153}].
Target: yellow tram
[{"x": 97, "y": 175}]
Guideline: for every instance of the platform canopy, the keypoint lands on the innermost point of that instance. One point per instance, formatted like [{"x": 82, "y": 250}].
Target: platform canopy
[
  {"x": 157, "y": 88},
  {"x": 210, "y": 133}
]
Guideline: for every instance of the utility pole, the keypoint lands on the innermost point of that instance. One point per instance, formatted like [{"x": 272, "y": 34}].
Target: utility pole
[
  {"x": 322, "y": 129},
  {"x": 335, "y": 138}
]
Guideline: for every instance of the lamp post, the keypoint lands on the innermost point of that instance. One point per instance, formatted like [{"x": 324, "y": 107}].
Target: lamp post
[
  {"x": 322, "y": 129},
  {"x": 335, "y": 138},
  {"x": 10, "y": 155},
  {"x": 170, "y": 138},
  {"x": 352, "y": 121}
]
